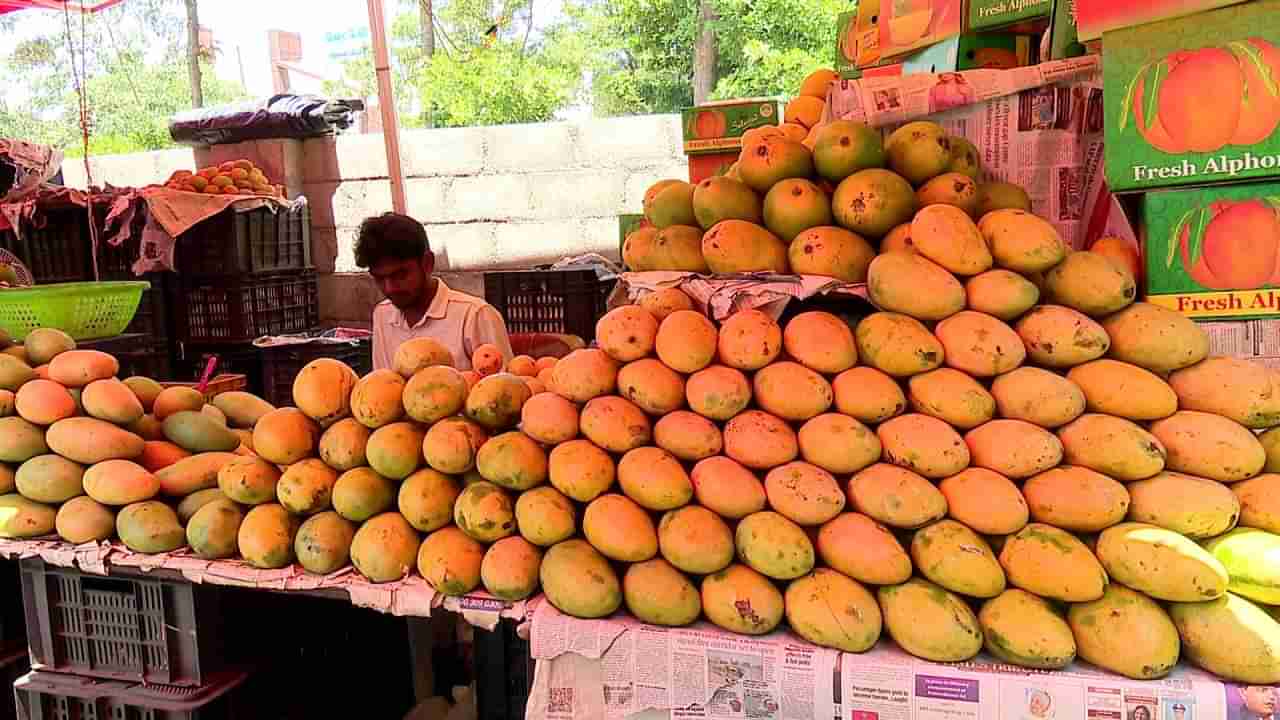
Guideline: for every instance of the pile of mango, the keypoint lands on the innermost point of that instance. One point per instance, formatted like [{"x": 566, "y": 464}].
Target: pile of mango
[{"x": 233, "y": 177}]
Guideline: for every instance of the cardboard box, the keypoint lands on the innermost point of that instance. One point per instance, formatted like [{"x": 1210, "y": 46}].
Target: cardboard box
[
  {"x": 719, "y": 126},
  {"x": 1095, "y": 17},
  {"x": 908, "y": 25},
  {"x": 1194, "y": 100},
  {"x": 993, "y": 14},
  {"x": 858, "y": 39},
  {"x": 702, "y": 167},
  {"x": 846, "y": 65},
  {"x": 1063, "y": 40},
  {"x": 1212, "y": 252}
]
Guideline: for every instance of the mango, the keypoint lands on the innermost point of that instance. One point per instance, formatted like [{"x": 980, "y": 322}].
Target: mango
[
  {"x": 323, "y": 543},
  {"x": 20, "y": 440},
  {"x": 1112, "y": 446},
  {"x": 578, "y": 581},
  {"x": 547, "y": 418},
  {"x": 344, "y": 444},
  {"x": 831, "y": 610},
  {"x": 1156, "y": 338},
  {"x": 831, "y": 252},
  {"x": 994, "y": 196},
  {"x": 306, "y": 487},
  {"x": 7, "y": 479},
  {"x": 361, "y": 493},
  {"x": 654, "y": 479},
  {"x": 658, "y": 594},
  {"x": 913, "y": 285},
  {"x": 611, "y": 422},
  {"x": 1013, "y": 448},
  {"x": 426, "y": 499},
  {"x": 689, "y": 436},
  {"x": 804, "y": 493},
  {"x": 896, "y": 496},
  {"x": 322, "y": 390},
  {"x": 192, "y": 503},
  {"x": 14, "y": 373},
  {"x": 286, "y": 436},
  {"x": 486, "y": 512},
  {"x": 1239, "y": 390},
  {"x": 985, "y": 500},
  {"x": 718, "y": 392},
  {"x": 451, "y": 562},
  {"x": 728, "y": 489},
  {"x": 78, "y": 368},
  {"x": 757, "y": 440},
  {"x": 1076, "y": 499},
  {"x": 1210, "y": 446},
  {"x": 923, "y": 444},
  {"x": 872, "y": 202},
  {"x": 858, "y": 546},
  {"x": 243, "y": 410},
  {"x": 742, "y": 600},
  {"x": 979, "y": 344},
  {"x": 627, "y": 333},
  {"x": 652, "y": 386},
  {"x": 1037, "y": 396},
  {"x": 266, "y": 536},
  {"x": 930, "y": 622},
  {"x": 1160, "y": 563},
  {"x": 662, "y": 302},
  {"x": 868, "y": 395},
  {"x": 545, "y": 517},
  {"x": 510, "y": 568},
  {"x": 385, "y": 548},
  {"x": 249, "y": 480},
  {"x": 1117, "y": 388},
  {"x": 918, "y": 151},
  {"x": 496, "y": 400},
  {"x": 395, "y": 450},
  {"x": 45, "y": 344},
  {"x": 838, "y": 443},
  {"x": 956, "y": 558},
  {"x": 8, "y": 403},
  {"x": 897, "y": 345},
  {"x": 1090, "y": 283},
  {"x": 1020, "y": 241},
  {"x": 737, "y": 246},
  {"x": 89, "y": 441},
  {"x": 50, "y": 479},
  {"x": 618, "y": 527},
  {"x": 376, "y": 399},
  {"x": 1002, "y": 294},
  {"x": 197, "y": 472},
  {"x": 197, "y": 433},
  {"x": 952, "y": 189},
  {"x": 1188, "y": 505},
  {"x": 947, "y": 235},
  {"x": 151, "y": 430},
  {"x": 420, "y": 353},
  {"x": 22, "y": 518},
  {"x": 120, "y": 482},
  {"x": 774, "y": 546},
  {"x": 1259, "y": 498},
  {"x": 791, "y": 391},
  {"x": 821, "y": 342},
  {"x": 213, "y": 529},
  {"x": 452, "y": 445},
  {"x": 1053, "y": 564},
  {"x": 951, "y": 396},
  {"x": 1022, "y": 629},
  {"x": 1249, "y": 555},
  {"x": 580, "y": 470},
  {"x": 176, "y": 399},
  {"x": 150, "y": 527},
  {"x": 695, "y": 540},
  {"x": 432, "y": 394},
  {"x": 747, "y": 340},
  {"x": 44, "y": 402},
  {"x": 1059, "y": 337},
  {"x": 82, "y": 520},
  {"x": 1127, "y": 633},
  {"x": 1230, "y": 637},
  {"x": 111, "y": 400}
]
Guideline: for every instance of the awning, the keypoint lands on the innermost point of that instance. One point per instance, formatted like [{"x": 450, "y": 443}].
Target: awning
[{"x": 7, "y": 6}]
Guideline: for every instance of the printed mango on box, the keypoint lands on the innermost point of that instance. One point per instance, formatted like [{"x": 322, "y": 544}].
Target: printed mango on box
[
  {"x": 1194, "y": 100},
  {"x": 1214, "y": 252},
  {"x": 907, "y": 25},
  {"x": 719, "y": 126}
]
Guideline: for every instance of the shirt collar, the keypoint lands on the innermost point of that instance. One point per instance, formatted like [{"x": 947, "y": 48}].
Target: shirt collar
[{"x": 437, "y": 310}]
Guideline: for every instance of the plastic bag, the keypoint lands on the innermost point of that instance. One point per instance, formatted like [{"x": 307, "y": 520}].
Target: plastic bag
[{"x": 280, "y": 116}]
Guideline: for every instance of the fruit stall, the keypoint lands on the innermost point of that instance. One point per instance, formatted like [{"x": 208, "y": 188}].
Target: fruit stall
[{"x": 896, "y": 410}]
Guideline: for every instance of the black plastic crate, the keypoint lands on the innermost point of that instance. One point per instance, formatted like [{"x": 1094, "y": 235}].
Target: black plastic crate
[
  {"x": 58, "y": 251},
  {"x": 54, "y": 696},
  {"x": 238, "y": 359},
  {"x": 123, "y": 627},
  {"x": 241, "y": 309},
  {"x": 152, "y": 317},
  {"x": 261, "y": 240},
  {"x": 138, "y": 353},
  {"x": 503, "y": 673},
  {"x": 567, "y": 301},
  {"x": 280, "y": 365}
]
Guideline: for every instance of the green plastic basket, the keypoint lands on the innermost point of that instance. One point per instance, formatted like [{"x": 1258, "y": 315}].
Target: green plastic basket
[{"x": 83, "y": 310}]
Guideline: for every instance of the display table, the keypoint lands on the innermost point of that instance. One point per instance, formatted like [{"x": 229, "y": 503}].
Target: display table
[{"x": 620, "y": 668}]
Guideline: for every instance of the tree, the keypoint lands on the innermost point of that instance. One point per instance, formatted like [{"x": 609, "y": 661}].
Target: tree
[
  {"x": 427, "y": 30},
  {"x": 193, "y": 54},
  {"x": 704, "y": 52}
]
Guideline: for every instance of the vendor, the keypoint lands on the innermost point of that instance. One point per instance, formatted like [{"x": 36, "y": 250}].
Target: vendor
[{"x": 395, "y": 250}]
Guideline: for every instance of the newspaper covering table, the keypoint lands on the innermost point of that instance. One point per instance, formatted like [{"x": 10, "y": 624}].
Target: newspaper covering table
[{"x": 620, "y": 668}]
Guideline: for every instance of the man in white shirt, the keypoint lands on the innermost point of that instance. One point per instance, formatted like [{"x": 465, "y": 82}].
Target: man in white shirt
[{"x": 395, "y": 250}]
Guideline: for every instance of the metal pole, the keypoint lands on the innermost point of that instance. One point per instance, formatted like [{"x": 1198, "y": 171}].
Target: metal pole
[{"x": 387, "y": 104}]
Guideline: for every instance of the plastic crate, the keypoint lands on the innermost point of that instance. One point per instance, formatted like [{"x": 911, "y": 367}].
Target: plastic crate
[
  {"x": 138, "y": 353},
  {"x": 241, "y": 359},
  {"x": 568, "y": 301},
  {"x": 53, "y": 696},
  {"x": 58, "y": 252},
  {"x": 84, "y": 310},
  {"x": 280, "y": 365},
  {"x": 243, "y": 309},
  {"x": 123, "y": 627},
  {"x": 152, "y": 317},
  {"x": 261, "y": 240}
]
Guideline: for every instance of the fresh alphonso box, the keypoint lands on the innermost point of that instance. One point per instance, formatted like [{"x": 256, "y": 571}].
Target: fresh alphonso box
[
  {"x": 907, "y": 25},
  {"x": 1194, "y": 100},
  {"x": 1095, "y": 17},
  {"x": 847, "y": 45},
  {"x": 719, "y": 126},
  {"x": 991, "y": 14},
  {"x": 1214, "y": 252},
  {"x": 705, "y": 165}
]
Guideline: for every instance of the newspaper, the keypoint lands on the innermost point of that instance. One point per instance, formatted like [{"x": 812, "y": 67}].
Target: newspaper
[
  {"x": 615, "y": 668},
  {"x": 1257, "y": 340},
  {"x": 723, "y": 295},
  {"x": 619, "y": 668}
]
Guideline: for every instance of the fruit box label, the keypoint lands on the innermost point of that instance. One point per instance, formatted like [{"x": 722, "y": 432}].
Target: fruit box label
[
  {"x": 988, "y": 14},
  {"x": 1214, "y": 252},
  {"x": 906, "y": 25},
  {"x": 1194, "y": 100},
  {"x": 718, "y": 127}
]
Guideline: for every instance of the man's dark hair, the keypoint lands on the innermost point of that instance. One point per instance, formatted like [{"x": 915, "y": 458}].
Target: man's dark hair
[{"x": 390, "y": 236}]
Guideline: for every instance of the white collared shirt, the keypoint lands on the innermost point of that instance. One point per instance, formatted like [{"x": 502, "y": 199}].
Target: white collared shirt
[{"x": 460, "y": 321}]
